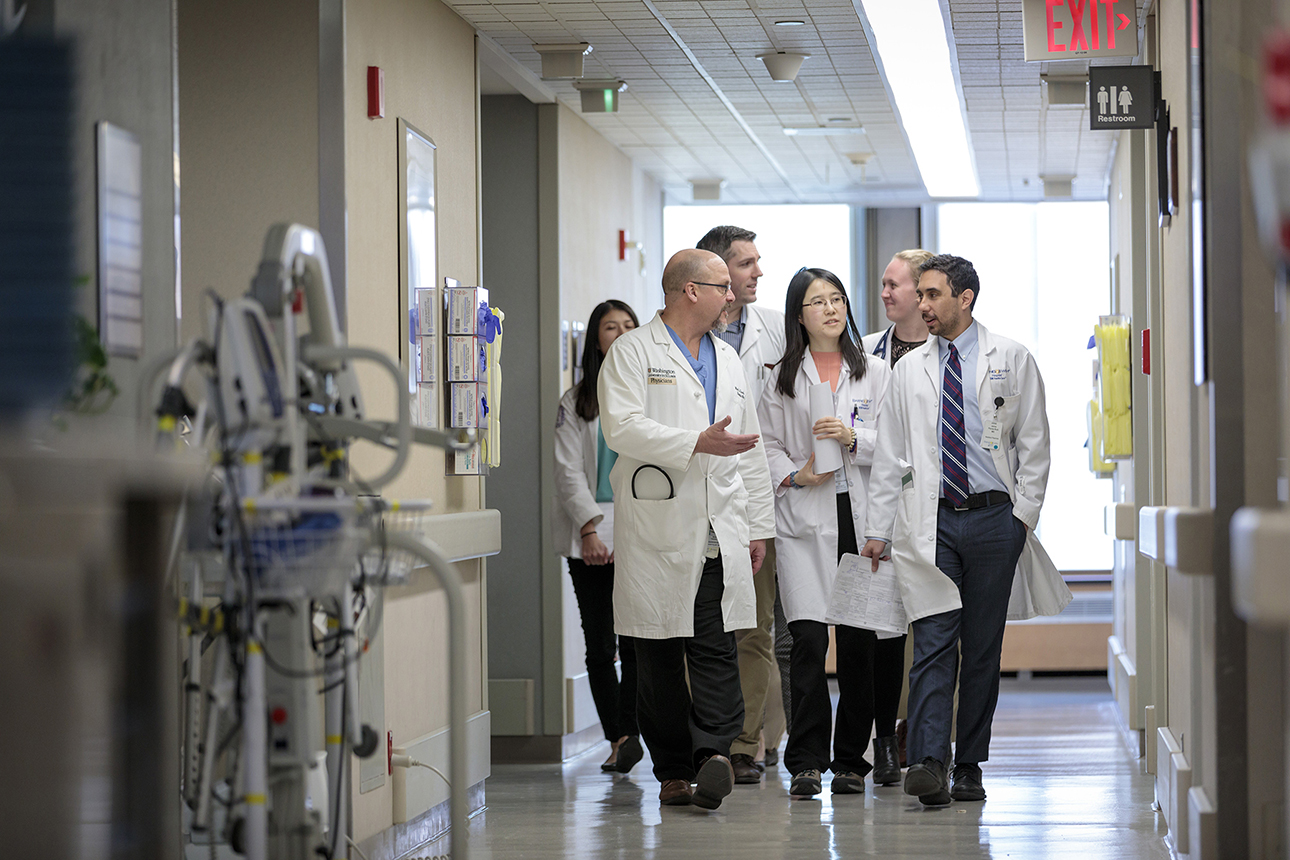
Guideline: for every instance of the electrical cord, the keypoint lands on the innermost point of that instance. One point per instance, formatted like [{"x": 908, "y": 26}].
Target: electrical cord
[{"x": 399, "y": 760}]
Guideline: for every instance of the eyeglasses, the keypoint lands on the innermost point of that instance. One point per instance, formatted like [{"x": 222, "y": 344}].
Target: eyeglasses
[
  {"x": 837, "y": 300},
  {"x": 722, "y": 287}
]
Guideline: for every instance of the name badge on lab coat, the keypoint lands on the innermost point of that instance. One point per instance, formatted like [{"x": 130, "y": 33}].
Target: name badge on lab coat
[{"x": 992, "y": 433}]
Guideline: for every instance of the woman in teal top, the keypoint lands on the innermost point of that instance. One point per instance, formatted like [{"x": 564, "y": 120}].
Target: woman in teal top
[{"x": 583, "y": 525}]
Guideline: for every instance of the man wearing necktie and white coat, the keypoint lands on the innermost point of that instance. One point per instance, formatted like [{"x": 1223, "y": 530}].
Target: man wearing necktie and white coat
[{"x": 958, "y": 479}]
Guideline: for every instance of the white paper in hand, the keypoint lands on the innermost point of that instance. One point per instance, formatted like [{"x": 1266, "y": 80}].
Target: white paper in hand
[
  {"x": 867, "y": 600},
  {"x": 828, "y": 452}
]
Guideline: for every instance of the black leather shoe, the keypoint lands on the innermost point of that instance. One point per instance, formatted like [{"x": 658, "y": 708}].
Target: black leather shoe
[
  {"x": 746, "y": 770},
  {"x": 886, "y": 763},
  {"x": 967, "y": 782},
  {"x": 629, "y": 754},
  {"x": 926, "y": 781},
  {"x": 715, "y": 780}
]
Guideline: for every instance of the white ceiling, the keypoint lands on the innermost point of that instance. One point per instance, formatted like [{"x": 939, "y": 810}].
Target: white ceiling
[{"x": 699, "y": 105}]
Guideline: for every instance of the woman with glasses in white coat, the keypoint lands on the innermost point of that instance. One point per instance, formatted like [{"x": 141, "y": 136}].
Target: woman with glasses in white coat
[
  {"x": 817, "y": 518},
  {"x": 583, "y": 527}
]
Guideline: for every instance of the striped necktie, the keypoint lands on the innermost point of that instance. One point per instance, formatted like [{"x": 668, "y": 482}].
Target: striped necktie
[{"x": 954, "y": 479}]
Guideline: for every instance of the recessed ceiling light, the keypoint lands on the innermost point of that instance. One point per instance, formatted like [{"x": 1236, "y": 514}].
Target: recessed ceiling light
[
  {"x": 840, "y": 119},
  {"x": 925, "y": 92},
  {"x": 789, "y": 23},
  {"x": 822, "y": 131}
]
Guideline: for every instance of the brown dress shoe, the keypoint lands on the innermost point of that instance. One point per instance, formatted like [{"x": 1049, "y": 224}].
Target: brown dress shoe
[
  {"x": 746, "y": 770},
  {"x": 675, "y": 792}
]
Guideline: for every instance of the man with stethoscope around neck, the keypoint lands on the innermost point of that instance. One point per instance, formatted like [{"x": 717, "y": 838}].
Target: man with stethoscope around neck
[
  {"x": 757, "y": 334},
  {"x": 958, "y": 480},
  {"x": 692, "y": 508}
]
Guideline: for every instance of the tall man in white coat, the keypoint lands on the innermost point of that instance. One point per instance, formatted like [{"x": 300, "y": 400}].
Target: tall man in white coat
[
  {"x": 693, "y": 507},
  {"x": 958, "y": 479},
  {"x": 757, "y": 334}
]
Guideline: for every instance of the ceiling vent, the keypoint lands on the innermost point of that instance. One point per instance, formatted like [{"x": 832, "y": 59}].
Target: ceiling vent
[
  {"x": 1058, "y": 187},
  {"x": 706, "y": 189},
  {"x": 561, "y": 62}
]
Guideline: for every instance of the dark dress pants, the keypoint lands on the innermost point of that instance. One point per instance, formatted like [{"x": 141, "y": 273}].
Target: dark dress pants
[
  {"x": 593, "y": 585},
  {"x": 679, "y": 730},
  {"x": 813, "y": 722},
  {"x": 978, "y": 550},
  {"x": 888, "y": 683}
]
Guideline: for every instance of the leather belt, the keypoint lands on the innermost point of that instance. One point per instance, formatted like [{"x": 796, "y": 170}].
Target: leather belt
[{"x": 979, "y": 500}]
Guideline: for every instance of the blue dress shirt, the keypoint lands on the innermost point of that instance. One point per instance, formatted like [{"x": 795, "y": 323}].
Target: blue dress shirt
[
  {"x": 705, "y": 366},
  {"x": 982, "y": 476},
  {"x": 734, "y": 333}
]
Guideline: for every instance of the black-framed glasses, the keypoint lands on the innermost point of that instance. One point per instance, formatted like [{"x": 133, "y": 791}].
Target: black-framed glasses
[{"x": 706, "y": 284}]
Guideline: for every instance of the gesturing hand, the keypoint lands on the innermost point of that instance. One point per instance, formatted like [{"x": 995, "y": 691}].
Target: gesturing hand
[
  {"x": 805, "y": 477},
  {"x": 715, "y": 440}
]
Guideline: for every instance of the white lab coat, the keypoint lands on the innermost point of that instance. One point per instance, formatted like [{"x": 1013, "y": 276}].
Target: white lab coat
[
  {"x": 762, "y": 344},
  {"x": 576, "y": 472},
  {"x": 906, "y": 477},
  {"x": 878, "y": 343},
  {"x": 806, "y": 520},
  {"x": 652, "y": 409}
]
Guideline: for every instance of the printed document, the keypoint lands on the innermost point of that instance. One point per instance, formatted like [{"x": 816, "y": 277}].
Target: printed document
[{"x": 867, "y": 600}]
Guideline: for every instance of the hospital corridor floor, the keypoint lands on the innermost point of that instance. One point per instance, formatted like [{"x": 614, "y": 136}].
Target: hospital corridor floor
[{"x": 1060, "y": 781}]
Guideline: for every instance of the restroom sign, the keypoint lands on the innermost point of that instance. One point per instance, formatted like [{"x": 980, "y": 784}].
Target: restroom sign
[
  {"x": 1079, "y": 29},
  {"x": 1121, "y": 97}
]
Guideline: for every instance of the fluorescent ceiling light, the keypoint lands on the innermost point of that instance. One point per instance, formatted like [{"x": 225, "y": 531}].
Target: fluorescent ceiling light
[
  {"x": 789, "y": 23},
  {"x": 819, "y": 131},
  {"x": 922, "y": 85}
]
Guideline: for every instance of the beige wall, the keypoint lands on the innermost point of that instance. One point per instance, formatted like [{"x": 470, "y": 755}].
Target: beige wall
[
  {"x": 601, "y": 192},
  {"x": 123, "y": 68},
  {"x": 428, "y": 56},
  {"x": 248, "y": 135}
]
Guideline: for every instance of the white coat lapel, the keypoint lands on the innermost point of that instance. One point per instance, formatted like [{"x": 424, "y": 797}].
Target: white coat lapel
[
  {"x": 932, "y": 363},
  {"x": 809, "y": 368},
  {"x": 985, "y": 348},
  {"x": 752, "y": 331},
  {"x": 663, "y": 338}
]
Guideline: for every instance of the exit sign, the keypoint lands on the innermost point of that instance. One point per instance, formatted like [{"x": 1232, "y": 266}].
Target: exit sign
[{"x": 1079, "y": 29}]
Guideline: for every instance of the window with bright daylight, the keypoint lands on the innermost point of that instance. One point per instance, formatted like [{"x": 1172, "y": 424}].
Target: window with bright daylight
[
  {"x": 788, "y": 238},
  {"x": 1044, "y": 281}
]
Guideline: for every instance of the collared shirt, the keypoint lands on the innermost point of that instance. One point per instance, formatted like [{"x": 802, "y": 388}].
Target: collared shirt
[
  {"x": 982, "y": 476},
  {"x": 734, "y": 333},
  {"x": 705, "y": 367}
]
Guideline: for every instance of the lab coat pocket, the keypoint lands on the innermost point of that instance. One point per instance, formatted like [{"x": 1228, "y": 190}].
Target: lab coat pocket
[
  {"x": 1006, "y": 411},
  {"x": 906, "y": 503},
  {"x": 660, "y": 524}
]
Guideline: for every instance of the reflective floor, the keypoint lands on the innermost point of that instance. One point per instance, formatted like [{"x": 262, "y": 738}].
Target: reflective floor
[{"x": 1060, "y": 785}]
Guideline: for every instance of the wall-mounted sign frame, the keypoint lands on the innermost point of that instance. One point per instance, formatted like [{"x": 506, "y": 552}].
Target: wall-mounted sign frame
[
  {"x": 120, "y": 240},
  {"x": 1078, "y": 29},
  {"x": 419, "y": 273},
  {"x": 1121, "y": 97}
]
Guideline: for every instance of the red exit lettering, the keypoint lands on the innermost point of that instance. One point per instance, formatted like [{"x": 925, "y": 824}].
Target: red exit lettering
[{"x": 1082, "y": 16}]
